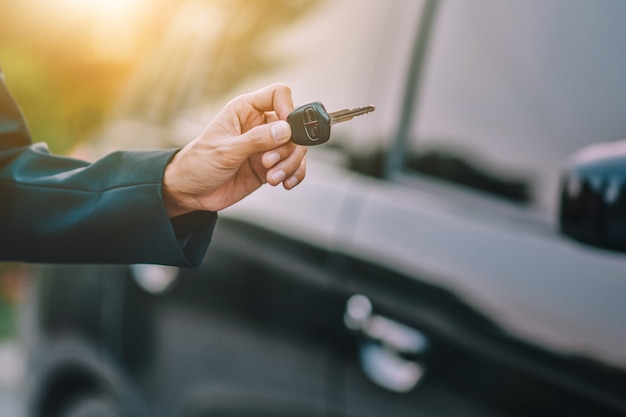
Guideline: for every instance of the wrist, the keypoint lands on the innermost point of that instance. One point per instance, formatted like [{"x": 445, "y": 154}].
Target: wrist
[{"x": 173, "y": 198}]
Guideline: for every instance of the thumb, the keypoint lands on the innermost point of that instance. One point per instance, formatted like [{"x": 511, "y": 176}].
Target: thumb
[{"x": 265, "y": 137}]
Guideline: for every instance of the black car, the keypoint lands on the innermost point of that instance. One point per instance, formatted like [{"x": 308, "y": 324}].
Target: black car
[{"x": 422, "y": 268}]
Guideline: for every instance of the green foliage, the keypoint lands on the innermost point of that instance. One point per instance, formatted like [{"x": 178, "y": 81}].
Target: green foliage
[
  {"x": 13, "y": 279},
  {"x": 7, "y": 319},
  {"x": 61, "y": 107},
  {"x": 207, "y": 50},
  {"x": 195, "y": 49}
]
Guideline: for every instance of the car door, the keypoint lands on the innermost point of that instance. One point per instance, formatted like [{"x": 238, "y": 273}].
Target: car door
[
  {"x": 466, "y": 301},
  {"x": 242, "y": 335}
]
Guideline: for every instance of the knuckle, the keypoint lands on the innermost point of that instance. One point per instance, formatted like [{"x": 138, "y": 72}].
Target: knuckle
[
  {"x": 255, "y": 137},
  {"x": 282, "y": 87},
  {"x": 237, "y": 101}
]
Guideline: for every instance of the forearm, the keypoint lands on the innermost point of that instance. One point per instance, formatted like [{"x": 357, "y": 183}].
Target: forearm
[{"x": 57, "y": 209}]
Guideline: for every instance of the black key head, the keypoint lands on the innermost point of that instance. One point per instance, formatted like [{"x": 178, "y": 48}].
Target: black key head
[{"x": 310, "y": 124}]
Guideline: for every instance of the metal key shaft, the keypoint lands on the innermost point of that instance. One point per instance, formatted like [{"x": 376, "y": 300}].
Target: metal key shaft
[{"x": 347, "y": 114}]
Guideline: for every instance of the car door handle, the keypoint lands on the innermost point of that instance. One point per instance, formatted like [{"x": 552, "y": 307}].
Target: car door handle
[{"x": 391, "y": 354}]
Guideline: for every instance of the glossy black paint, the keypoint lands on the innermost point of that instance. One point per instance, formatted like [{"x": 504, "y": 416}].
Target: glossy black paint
[
  {"x": 476, "y": 368},
  {"x": 260, "y": 332},
  {"x": 251, "y": 325},
  {"x": 593, "y": 196}
]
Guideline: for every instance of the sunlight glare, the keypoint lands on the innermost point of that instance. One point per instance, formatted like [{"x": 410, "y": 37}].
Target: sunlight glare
[{"x": 112, "y": 26}]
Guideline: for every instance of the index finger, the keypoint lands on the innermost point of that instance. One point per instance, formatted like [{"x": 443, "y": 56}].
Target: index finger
[{"x": 275, "y": 97}]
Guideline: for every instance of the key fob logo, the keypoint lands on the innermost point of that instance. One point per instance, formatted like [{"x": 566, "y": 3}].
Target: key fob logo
[{"x": 311, "y": 123}]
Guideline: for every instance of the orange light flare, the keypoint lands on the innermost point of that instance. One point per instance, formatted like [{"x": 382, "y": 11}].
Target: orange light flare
[{"x": 108, "y": 30}]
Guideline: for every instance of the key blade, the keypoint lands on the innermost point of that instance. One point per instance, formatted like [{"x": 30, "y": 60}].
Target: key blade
[{"x": 347, "y": 114}]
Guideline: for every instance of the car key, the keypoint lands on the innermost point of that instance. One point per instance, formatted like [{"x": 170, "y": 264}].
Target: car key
[{"x": 310, "y": 123}]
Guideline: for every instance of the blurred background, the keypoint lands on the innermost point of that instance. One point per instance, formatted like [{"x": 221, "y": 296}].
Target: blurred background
[
  {"x": 68, "y": 62},
  {"x": 72, "y": 67},
  {"x": 440, "y": 207}
]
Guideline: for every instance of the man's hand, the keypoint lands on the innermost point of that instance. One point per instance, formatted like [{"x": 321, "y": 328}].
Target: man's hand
[{"x": 246, "y": 145}]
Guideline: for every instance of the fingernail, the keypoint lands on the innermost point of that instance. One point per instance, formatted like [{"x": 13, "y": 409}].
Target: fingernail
[
  {"x": 281, "y": 131},
  {"x": 278, "y": 176},
  {"x": 291, "y": 182},
  {"x": 272, "y": 158}
]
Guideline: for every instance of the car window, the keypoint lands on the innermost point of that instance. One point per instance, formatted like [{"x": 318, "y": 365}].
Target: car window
[{"x": 510, "y": 89}]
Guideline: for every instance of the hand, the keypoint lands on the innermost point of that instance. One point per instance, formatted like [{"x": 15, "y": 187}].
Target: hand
[{"x": 246, "y": 145}]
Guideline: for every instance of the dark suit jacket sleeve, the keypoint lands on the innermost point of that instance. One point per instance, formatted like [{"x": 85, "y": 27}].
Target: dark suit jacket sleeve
[{"x": 57, "y": 209}]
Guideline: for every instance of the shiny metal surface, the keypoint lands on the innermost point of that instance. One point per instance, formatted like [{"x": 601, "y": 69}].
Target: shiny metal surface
[{"x": 341, "y": 116}]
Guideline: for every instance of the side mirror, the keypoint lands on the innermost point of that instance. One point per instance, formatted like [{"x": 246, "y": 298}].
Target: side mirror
[{"x": 593, "y": 196}]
